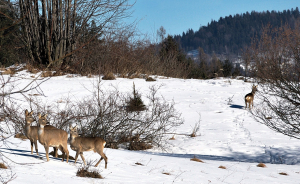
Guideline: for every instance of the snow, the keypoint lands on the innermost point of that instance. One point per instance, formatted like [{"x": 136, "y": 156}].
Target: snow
[{"x": 228, "y": 137}]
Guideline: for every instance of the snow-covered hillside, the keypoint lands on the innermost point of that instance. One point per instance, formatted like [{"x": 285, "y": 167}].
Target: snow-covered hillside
[{"x": 228, "y": 137}]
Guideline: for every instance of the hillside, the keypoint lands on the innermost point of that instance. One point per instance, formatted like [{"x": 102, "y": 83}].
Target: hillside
[
  {"x": 228, "y": 137},
  {"x": 231, "y": 34}
]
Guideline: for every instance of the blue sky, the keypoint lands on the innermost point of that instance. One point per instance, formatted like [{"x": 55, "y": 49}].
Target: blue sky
[{"x": 178, "y": 16}]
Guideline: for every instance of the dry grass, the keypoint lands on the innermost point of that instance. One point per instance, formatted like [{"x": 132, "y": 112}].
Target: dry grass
[
  {"x": 60, "y": 156},
  {"x": 222, "y": 167},
  {"x": 109, "y": 76},
  {"x": 21, "y": 136},
  {"x": 261, "y": 165},
  {"x": 3, "y": 166},
  {"x": 283, "y": 173},
  {"x": 138, "y": 145},
  {"x": 166, "y": 173},
  {"x": 196, "y": 160},
  {"x": 83, "y": 172}
]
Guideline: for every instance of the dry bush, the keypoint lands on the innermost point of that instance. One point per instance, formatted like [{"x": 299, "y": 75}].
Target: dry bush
[
  {"x": 222, "y": 167},
  {"x": 109, "y": 76},
  {"x": 150, "y": 79},
  {"x": 3, "y": 166},
  {"x": 139, "y": 146},
  {"x": 283, "y": 173},
  {"x": 196, "y": 159},
  {"x": 84, "y": 172},
  {"x": 30, "y": 68},
  {"x": 261, "y": 165},
  {"x": 21, "y": 136}
]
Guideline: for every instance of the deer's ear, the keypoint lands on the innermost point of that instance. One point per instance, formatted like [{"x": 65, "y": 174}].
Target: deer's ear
[
  {"x": 45, "y": 115},
  {"x": 26, "y": 112},
  {"x": 39, "y": 115},
  {"x": 31, "y": 113}
]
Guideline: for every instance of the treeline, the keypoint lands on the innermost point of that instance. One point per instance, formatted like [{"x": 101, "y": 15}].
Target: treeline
[{"x": 231, "y": 34}]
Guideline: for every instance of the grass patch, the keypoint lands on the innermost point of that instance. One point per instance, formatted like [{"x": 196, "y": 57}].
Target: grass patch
[
  {"x": 47, "y": 74},
  {"x": 222, "y": 167},
  {"x": 196, "y": 160},
  {"x": 261, "y": 165},
  {"x": 172, "y": 138},
  {"x": 3, "y": 166},
  {"x": 84, "y": 172}
]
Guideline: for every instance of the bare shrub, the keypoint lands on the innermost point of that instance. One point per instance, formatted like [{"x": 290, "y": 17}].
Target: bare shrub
[
  {"x": 261, "y": 165},
  {"x": 109, "y": 76},
  {"x": 84, "y": 172},
  {"x": 196, "y": 127},
  {"x": 135, "y": 102}
]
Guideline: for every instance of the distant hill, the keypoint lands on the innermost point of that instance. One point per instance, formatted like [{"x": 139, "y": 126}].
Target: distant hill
[{"x": 229, "y": 35}]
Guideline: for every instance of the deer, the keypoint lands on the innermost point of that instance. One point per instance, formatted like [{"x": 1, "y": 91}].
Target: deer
[
  {"x": 52, "y": 138},
  {"x": 250, "y": 97},
  {"x": 81, "y": 144},
  {"x": 31, "y": 132}
]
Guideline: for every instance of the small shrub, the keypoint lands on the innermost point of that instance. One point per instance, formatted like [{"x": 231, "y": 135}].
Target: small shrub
[
  {"x": 3, "y": 166},
  {"x": 109, "y": 76},
  {"x": 196, "y": 159},
  {"x": 283, "y": 173},
  {"x": 83, "y": 172},
  {"x": 135, "y": 103},
  {"x": 222, "y": 167},
  {"x": 20, "y": 136},
  {"x": 261, "y": 165},
  {"x": 150, "y": 79}
]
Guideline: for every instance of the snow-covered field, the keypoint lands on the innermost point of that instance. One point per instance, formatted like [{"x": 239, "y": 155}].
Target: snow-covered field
[{"x": 228, "y": 137}]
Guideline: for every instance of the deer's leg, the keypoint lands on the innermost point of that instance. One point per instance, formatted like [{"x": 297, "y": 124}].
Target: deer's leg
[
  {"x": 47, "y": 152},
  {"x": 82, "y": 157},
  {"x": 55, "y": 150},
  {"x": 103, "y": 156},
  {"x": 76, "y": 156},
  {"x": 63, "y": 153},
  {"x": 31, "y": 144},
  {"x": 36, "y": 147},
  {"x": 66, "y": 151}
]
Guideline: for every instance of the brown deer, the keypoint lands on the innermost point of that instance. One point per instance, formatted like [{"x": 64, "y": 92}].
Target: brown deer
[
  {"x": 81, "y": 144},
  {"x": 52, "y": 138},
  {"x": 31, "y": 132},
  {"x": 250, "y": 97}
]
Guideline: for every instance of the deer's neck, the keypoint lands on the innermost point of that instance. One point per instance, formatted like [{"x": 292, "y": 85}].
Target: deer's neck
[
  {"x": 41, "y": 130},
  {"x": 27, "y": 128},
  {"x": 72, "y": 138}
]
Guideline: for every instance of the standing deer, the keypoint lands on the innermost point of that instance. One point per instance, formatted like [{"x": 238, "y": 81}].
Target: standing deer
[
  {"x": 250, "y": 97},
  {"x": 31, "y": 132},
  {"x": 81, "y": 144},
  {"x": 52, "y": 138}
]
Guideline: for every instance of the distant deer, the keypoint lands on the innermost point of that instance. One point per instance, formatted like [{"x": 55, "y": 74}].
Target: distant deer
[
  {"x": 250, "y": 97},
  {"x": 81, "y": 144},
  {"x": 31, "y": 132},
  {"x": 52, "y": 138}
]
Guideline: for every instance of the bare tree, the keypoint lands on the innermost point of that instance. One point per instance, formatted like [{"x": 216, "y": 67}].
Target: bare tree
[
  {"x": 277, "y": 60},
  {"x": 52, "y": 29}
]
